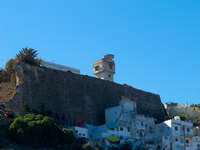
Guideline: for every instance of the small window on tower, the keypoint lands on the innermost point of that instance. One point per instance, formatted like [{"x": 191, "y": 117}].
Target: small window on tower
[
  {"x": 97, "y": 68},
  {"x": 109, "y": 75},
  {"x": 110, "y": 66}
]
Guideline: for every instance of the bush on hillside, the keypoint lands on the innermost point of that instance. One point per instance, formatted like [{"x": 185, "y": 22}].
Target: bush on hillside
[
  {"x": 39, "y": 131},
  {"x": 183, "y": 117},
  {"x": 112, "y": 139},
  {"x": 196, "y": 122},
  {"x": 88, "y": 146},
  {"x": 10, "y": 65}
]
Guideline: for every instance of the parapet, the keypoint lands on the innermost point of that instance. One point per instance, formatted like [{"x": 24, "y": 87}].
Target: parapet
[{"x": 108, "y": 57}]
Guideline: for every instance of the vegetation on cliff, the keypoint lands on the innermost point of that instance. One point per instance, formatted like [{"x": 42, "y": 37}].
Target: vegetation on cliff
[
  {"x": 191, "y": 113},
  {"x": 26, "y": 55},
  {"x": 39, "y": 131}
]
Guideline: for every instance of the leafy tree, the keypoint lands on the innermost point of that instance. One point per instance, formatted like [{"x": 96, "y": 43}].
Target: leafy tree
[
  {"x": 195, "y": 105},
  {"x": 39, "y": 131},
  {"x": 183, "y": 117},
  {"x": 27, "y": 55}
]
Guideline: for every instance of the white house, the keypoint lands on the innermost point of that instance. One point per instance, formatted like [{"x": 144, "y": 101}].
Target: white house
[
  {"x": 80, "y": 132},
  {"x": 196, "y": 143},
  {"x": 124, "y": 122},
  {"x": 175, "y": 134},
  {"x": 142, "y": 126}
]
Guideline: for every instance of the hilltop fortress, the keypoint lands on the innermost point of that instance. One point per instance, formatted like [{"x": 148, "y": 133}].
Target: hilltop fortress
[{"x": 72, "y": 96}]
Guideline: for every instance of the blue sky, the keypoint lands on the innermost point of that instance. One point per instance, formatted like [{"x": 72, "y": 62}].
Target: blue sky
[{"x": 156, "y": 43}]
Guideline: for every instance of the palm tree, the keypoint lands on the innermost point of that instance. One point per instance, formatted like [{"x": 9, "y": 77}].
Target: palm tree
[{"x": 27, "y": 55}]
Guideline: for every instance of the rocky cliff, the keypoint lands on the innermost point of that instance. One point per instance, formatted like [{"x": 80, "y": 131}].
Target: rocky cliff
[{"x": 78, "y": 97}]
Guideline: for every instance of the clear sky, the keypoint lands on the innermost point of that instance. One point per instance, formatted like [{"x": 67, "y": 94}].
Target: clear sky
[{"x": 156, "y": 43}]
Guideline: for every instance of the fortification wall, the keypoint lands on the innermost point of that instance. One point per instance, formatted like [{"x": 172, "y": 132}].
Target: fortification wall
[{"x": 81, "y": 98}]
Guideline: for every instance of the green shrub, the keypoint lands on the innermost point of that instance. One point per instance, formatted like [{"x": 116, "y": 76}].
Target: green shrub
[
  {"x": 39, "y": 131},
  {"x": 88, "y": 146},
  {"x": 183, "y": 117},
  {"x": 196, "y": 122},
  {"x": 10, "y": 65},
  {"x": 112, "y": 139}
]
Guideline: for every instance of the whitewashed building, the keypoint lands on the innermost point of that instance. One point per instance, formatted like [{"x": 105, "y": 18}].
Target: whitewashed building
[
  {"x": 195, "y": 143},
  {"x": 80, "y": 132},
  {"x": 124, "y": 122},
  {"x": 175, "y": 134},
  {"x": 59, "y": 67},
  {"x": 142, "y": 126}
]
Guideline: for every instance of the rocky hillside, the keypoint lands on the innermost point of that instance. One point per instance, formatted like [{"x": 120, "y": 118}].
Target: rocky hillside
[{"x": 76, "y": 97}]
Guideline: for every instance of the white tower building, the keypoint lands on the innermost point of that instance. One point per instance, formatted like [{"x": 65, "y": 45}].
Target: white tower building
[{"x": 105, "y": 68}]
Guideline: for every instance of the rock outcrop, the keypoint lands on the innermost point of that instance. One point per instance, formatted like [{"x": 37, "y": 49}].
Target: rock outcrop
[{"x": 78, "y": 97}]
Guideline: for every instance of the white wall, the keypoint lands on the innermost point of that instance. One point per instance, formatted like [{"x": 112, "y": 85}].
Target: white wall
[
  {"x": 59, "y": 67},
  {"x": 112, "y": 114},
  {"x": 120, "y": 132},
  {"x": 81, "y": 132},
  {"x": 128, "y": 105}
]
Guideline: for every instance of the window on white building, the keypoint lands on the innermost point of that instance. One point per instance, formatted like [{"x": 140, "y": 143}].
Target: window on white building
[
  {"x": 188, "y": 130},
  {"x": 121, "y": 129},
  {"x": 187, "y": 141},
  {"x": 198, "y": 146},
  {"x": 176, "y": 128},
  {"x": 141, "y": 134}
]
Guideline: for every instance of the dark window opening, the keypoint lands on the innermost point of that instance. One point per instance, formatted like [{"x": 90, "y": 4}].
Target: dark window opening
[
  {"x": 176, "y": 128},
  {"x": 110, "y": 66},
  {"x": 97, "y": 68},
  {"x": 187, "y": 141}
]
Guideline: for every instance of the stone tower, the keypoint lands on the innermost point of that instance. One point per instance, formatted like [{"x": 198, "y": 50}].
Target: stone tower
[{"x": 105, "y": 68}]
